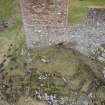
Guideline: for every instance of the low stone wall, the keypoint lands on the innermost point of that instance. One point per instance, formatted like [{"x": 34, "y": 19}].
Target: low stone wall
[
  {"x": 39, "y": 37},
  {"x": 85, "y": 37},
  {"x": 96, "y": 15}
]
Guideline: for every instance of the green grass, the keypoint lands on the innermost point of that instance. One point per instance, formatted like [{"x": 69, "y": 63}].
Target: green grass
[
  {"x": 10, "y": 13},
  {"x": 78, "y": 9},
  {"x": 79, "y": 69},
  {"x": 62, "y": 60}
]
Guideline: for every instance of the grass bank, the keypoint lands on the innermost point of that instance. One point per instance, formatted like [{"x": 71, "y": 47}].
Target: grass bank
[
  {"x": 78, "y": 9},
  {"x": 10, "y": 13}
]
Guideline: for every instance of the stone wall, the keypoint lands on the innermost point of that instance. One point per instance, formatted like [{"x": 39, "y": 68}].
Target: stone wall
[
  {"x": 96, "y": 15},
  {"x": 40, "y": 37},
  {"x": 42, "y": 34}
]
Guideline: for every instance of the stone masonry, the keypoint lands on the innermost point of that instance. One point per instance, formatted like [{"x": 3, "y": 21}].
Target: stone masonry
[{"x": 45, "y": 24}]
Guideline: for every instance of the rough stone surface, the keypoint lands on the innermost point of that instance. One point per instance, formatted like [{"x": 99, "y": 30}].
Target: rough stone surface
[
  {"x": 96, "y": 15},
  {"x": 42, "y": 34},
  {"x": 44, "y": 23}
]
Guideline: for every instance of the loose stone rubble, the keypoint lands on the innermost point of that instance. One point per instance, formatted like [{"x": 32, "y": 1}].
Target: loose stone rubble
[
  {"x": 63, "y": 100},
  {"x": 34, "y": 84}
]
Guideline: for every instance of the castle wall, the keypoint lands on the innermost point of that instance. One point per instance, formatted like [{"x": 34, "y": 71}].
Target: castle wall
[
  {"x": 96, "y": 15},
  {"x": 41, "y": 32},
  {"x": 44, "y": 36},
  {"x": 45, "y": 22}
]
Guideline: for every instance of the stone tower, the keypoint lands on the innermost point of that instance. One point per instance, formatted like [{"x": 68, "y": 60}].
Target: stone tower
[
  {"x": 46, "y": 21},
  {"x": 50, "y": 11}
]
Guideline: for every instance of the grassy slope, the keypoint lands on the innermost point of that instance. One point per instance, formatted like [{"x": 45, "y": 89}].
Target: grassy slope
[
  {"x": 62, "y": 60},
  {"x": 10, "y": 13},
  {"x": 68, "y": 64},
  {"x": 65, "y": 62},
  {"x": 78, "y": 9}
]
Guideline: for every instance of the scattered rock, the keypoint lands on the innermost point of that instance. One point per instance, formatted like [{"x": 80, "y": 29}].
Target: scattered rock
[
  {"x": 101, "y": 59},
  {"x": 43, "y": 60},
  {"x": 3, "y": 25}
]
